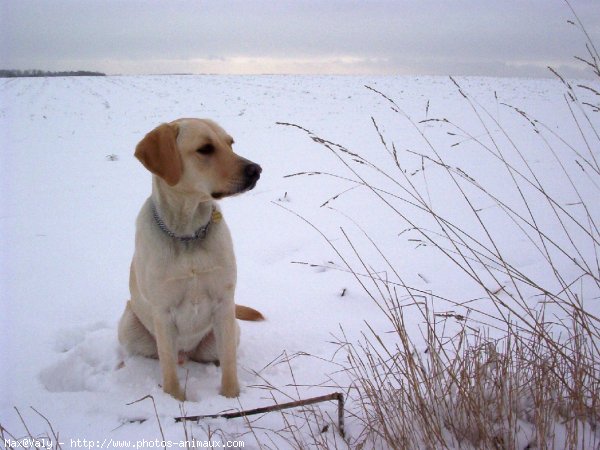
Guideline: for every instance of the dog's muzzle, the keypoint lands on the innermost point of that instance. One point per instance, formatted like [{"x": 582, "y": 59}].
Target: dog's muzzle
[{"x": 251, "y": 174}]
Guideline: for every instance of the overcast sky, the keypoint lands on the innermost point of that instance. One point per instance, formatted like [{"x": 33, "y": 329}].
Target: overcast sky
[{"x": 406, "y": 37}]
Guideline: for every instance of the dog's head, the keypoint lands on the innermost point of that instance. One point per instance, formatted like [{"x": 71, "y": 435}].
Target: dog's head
[{"x": 196, "y": 156}]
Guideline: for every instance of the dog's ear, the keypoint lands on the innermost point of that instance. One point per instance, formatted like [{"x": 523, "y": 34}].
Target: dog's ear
[{"x": 158, "y": 153}]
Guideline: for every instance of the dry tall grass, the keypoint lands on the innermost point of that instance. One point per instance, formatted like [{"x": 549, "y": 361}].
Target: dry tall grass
[{"x": 525, "y": 376}]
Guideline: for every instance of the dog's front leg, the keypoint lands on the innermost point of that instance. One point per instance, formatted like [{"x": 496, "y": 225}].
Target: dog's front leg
[
  {"x": 167, "y": 353},
  {"x": 226, "y": 334}
]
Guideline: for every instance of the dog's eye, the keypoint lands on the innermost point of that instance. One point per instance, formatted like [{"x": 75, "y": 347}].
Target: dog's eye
[{"x": 206, "y": 149}]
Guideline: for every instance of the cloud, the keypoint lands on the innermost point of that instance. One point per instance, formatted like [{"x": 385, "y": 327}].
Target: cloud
[{"x": 477, "y": 37}]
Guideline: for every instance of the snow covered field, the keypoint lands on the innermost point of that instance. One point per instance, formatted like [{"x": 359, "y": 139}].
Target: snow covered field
[{"x": 71, "y": 189}]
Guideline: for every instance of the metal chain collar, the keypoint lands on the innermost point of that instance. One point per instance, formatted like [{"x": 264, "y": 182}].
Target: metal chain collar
[{"x": 200, "y": 232}]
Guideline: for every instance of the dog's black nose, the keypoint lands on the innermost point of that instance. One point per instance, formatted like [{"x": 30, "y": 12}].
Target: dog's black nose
[{"x": 252, "y": 171}]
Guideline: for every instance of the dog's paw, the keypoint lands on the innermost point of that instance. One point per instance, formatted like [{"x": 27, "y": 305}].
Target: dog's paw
[
  {"x": 178, "y": 395},
  {"x": 175, "y": 392},
  {"x": 230, "y": 391}
]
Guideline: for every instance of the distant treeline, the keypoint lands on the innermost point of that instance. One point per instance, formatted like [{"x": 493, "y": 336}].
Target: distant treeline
[{"x": 46, "y": 73}]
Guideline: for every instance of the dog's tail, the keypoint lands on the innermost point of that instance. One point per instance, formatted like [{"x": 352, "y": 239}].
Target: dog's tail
[{"x": 247, "y": 313}]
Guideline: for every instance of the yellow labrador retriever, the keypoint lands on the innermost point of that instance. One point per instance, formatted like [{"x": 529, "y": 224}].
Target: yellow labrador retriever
[{"x": 183, "y": 272}]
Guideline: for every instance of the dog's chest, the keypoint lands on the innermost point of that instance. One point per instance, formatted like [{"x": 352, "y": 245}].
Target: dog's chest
[
  {"x": 197, "y": 269},
  {"x": 188, "y": 282},
  {"x": 193, "y": 319},
  {"x": 200, "y": 263},
  {"x": 203, "y": 283}
]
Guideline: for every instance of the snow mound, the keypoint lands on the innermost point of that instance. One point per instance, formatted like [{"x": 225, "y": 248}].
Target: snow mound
[{"x": 89, "y": 362}]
